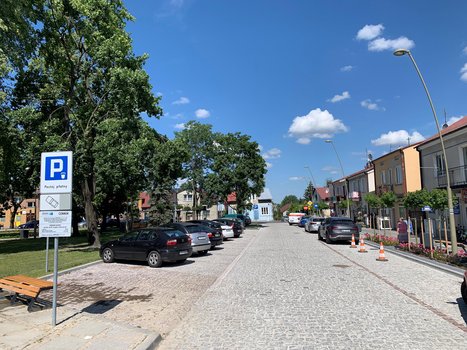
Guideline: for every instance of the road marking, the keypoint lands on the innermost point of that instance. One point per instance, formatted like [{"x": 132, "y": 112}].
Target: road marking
[
  {"x": 232, "y": 264},
  {"x": 404, "y": 292}
]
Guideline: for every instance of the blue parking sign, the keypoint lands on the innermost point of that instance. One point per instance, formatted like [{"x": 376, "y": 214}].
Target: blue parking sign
[
  {"x": 56, "y": 168},
  {"x": 56, "y": 172}
]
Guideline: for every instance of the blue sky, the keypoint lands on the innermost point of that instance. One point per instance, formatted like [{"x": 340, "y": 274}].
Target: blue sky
[{"x": 293, "y": 73}]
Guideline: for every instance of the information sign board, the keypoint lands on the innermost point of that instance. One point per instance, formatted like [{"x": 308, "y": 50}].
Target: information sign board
[{"x": 55, "y": 223}]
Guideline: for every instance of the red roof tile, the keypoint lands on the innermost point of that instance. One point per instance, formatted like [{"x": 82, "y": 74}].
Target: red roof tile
[{"x": 461, "y": 123}]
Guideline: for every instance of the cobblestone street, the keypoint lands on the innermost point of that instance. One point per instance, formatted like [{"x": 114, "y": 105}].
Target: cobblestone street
[{"x": 287, "y": 290}]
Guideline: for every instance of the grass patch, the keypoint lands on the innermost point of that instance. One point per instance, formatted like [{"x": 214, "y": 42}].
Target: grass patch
[{"x": 28, "y": 256}]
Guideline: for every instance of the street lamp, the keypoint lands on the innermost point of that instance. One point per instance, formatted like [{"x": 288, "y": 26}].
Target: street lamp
[
  {"x": 452, "y": 223},
  {"x": 343, "y": 176}
]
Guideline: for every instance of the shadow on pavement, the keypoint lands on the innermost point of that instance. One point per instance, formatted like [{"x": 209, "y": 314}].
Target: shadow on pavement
[{"x": 101, "y": 306}]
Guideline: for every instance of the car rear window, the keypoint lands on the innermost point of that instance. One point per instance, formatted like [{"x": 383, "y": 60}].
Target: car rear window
[
  {"x": 173, "y": 233},
  {"x": 196, "y": 228},
  {"x": 342, "y": 222},
  {"x": 318, "y": 219}
]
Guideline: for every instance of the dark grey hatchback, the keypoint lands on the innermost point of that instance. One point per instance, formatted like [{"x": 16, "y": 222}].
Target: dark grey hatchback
[
  {"x": 337, "y": 229},
  {"x": 152, "y": 244}
]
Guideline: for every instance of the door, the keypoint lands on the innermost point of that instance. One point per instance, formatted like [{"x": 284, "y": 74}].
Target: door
[
  {"x": 124, "y": 248},
  {"x": 144, "y": 243}
]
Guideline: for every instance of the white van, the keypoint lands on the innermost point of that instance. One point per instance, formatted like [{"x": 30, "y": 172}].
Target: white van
[{"x": 294, "y": 218}]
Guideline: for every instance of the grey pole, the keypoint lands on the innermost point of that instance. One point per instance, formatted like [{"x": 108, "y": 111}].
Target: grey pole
[
  {"x": 343, "y": 176},
  {"x": 452, "y": 222},
  {"x": 54, "y": 300},
  {"x": 47, "y": 254}
]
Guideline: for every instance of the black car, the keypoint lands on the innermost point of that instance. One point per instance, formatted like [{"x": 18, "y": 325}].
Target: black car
[
  {"x": 154, "y": 245},
  {"x": 29, "y": 224},
  {"x": 236, "y": 225},
  {"x": 215, "y": 234},
  {"x": 338, "y": 229}
]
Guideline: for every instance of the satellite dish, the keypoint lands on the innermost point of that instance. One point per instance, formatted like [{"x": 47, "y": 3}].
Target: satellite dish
[{"x": 370, "y": 157}]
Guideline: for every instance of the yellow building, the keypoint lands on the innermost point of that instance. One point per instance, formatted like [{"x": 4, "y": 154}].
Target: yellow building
[{"x": 397, "y": 172}]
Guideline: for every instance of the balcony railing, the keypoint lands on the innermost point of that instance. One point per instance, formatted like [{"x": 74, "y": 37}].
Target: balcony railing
[
  {"x": 384, "y": 188},
  {"x": 457, "y": 175}
]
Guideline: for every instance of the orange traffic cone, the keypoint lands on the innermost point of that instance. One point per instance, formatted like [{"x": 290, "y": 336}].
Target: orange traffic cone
[
  {"x": 362, "y": 248},
  {"x": 353, "y": 242},
  {"x": 381, "y": 253}
]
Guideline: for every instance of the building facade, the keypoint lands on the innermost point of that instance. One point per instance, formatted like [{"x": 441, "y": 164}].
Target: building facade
[{"x": 433, "y": 171}]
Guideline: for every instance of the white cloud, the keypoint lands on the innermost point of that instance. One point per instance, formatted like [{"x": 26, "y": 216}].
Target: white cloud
[
  {"x": 260, "y": 148},
  {"x": 316, "y": 124},
  {"x": 272, "y": 153},
  {"x": 464, "y": 73},
  {"x": 464, "y": 51},
  {"x": 181, "y": 101},
  {"x": 382, "y": 44},
  {"x": 303, "y": 140},
  {"x": 452, "y": 120},
  {"x": 268, "y": 165},
  {"x": 398, "y": 138},
  {"x": 177, "y": 116},
  {"x": 370, "y": 32},
  {"x": 347, "y": 68},
  {"x": 345, "y": 95},
  {"x": 296, "y": 178},
  {"x": 330, "y": 170},
  {"x": 372, "y": 106},
  {"x": 202, "y": 113},
  {"x": 180, "y": 126}
]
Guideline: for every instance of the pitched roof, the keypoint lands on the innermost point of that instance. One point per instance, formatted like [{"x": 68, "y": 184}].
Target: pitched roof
[
  {"x": 461, "y": 123},
  {"x": 285, "y": 207},
  {"x": 323, "y": 192}
]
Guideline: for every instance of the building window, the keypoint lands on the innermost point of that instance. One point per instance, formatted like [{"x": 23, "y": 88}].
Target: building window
[
  {"x": 398, "y": 175},
  {"x": 264, "y": 211},
  {"x": 389, "y": 176},
  {"x": 383, "y": 178},
  {"x": 439, "y": 165},
  {"x": 30, "y": 204},
  {"x": 187, "y": 197}
]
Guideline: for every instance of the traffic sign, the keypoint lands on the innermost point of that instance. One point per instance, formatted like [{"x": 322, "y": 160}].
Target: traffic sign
[
  {"x": 310, "y": 202},
  {"x": 55, "y": 201},
  {"x": 426, "y": 208},
  {"x": 56, "y": 172},
  {"x": 316, "y": 205},
  {"x": 55, "y": 223},
  {"x": 305, "y": 208}
]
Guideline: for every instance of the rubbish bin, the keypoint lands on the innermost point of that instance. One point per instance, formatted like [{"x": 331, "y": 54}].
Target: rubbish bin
[{"x": 23, "y": 234}]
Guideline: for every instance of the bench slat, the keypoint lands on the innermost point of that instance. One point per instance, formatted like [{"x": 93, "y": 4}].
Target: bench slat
[
  {"x": 31, "y": 280},
  {"x": 19, "y": 290}
]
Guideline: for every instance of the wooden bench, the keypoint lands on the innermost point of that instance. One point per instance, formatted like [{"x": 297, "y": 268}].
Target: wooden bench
[{"x": 25, "y": 286}]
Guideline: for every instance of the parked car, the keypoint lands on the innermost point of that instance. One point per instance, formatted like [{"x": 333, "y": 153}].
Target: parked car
[
  {"x": 29, "y": 224},
  {"x": 338, "y": 229},
  {"x": 214, "y": 233},
  {"x": 246, "y": 220},
  {"x": 294, "y": 218},
  {"x": 235, "y": 224},
  {"x": 303, "y": 221},
  {"x": 154, "y": 245},
  {"x": 199, "y": 235},
  {"x": 313, "y": 224}
]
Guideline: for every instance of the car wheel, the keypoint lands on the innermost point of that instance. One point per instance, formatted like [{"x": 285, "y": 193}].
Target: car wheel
[
  {"x": 108, "y": 255},
  {"x": 181, "y": 261},
  {"x": 328, "y": 241},
  {"x": 319, "y": 237},
  {"x": 154, "y": 259},
  {"x": 464, "y": 291}
]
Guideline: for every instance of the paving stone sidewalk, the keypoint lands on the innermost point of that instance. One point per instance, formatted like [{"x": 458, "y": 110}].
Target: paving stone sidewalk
[{"x": 20, "y": 329}]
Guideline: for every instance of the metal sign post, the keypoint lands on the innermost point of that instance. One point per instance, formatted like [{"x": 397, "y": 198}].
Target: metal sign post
[{"x": 55, "y": 207}]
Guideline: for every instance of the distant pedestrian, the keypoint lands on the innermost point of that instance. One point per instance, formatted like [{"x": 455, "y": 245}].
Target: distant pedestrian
[{"x": 402, "y": 235}]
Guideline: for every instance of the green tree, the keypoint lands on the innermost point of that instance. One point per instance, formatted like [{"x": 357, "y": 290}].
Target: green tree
[
  {"x": 289, "y": 199},
  {"x": 84, "y": 75},
  {"x": 388, "y": 199},
  {"x": 197, "y": 141},
  {"x": 416, "y": 199},
  {"x": 237, "y": 167},
  {"x": 308, "y": 194}
]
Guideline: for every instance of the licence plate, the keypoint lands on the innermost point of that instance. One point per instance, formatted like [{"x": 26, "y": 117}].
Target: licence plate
[
  {"x": 217, "y": 235},
  {"x": 183, "y": 252},
  {"x": 345, "y": 230},
  {"x": 200, "y": 238}
]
